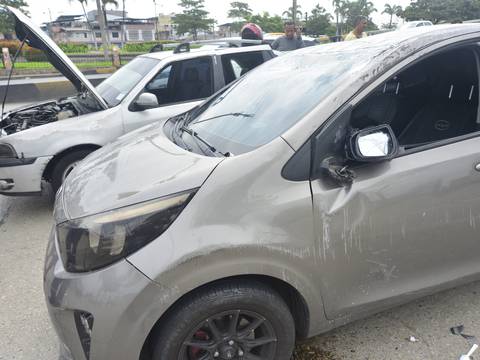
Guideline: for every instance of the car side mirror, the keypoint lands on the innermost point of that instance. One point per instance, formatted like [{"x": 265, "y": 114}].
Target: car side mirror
[
  {"x": 145, "y": 101},
  {"x": 373, "y": 144}
]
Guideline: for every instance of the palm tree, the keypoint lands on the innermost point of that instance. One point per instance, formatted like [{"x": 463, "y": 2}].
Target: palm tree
[
  {"x": 392, "y": 10},
  {"x": 84, "y": 3},
  {"x": 104, "y": 10},
  {"x": 289, "y": 14},
  {"x": 340, "y": 9},
  {"x": 124, "y": 37}
]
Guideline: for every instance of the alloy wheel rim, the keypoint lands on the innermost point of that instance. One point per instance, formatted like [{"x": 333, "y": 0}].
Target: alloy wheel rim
[{"x": 231, "y": 335}]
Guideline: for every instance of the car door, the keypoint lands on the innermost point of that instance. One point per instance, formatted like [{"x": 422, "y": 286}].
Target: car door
[
  {"x": 405, "y": 227},
  {"x": 178, "y": 87}
]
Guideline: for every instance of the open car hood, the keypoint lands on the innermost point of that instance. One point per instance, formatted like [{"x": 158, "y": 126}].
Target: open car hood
[{"x": 36, "y": 38}]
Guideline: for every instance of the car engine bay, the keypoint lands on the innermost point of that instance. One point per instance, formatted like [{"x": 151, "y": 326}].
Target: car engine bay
[{"x": 37, "y": 115}]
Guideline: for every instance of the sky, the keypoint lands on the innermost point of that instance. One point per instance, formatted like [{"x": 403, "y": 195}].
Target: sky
[{"x": 42, "y": 10}]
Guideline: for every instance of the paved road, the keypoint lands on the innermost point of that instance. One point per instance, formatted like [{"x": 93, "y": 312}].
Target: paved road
[{"x": 25, "y": 332}]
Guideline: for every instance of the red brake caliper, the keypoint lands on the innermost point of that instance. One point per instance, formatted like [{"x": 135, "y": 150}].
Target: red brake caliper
[{"x": 195, "y": 351}]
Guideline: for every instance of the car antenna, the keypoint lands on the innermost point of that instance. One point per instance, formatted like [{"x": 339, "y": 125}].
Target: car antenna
[{"x": 10, "y": 76}]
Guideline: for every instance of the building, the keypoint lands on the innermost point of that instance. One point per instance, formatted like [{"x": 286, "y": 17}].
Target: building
[
  {"x": 120, "y": 29},
  {"x": 166, "y": 29}
]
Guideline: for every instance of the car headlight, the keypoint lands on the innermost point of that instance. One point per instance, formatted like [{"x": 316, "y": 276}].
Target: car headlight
[
  {"x": 96, "y": 241},
  {"x": 7, "y": 151}
]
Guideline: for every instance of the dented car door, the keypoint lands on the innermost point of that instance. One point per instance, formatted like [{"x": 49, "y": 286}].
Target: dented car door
[{"x": 400, "y": 229}]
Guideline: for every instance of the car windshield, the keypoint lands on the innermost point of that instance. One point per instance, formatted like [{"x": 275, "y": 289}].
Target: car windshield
[
  {"x": 114, "y": 89},
  {"x": 269, "y": 100}
]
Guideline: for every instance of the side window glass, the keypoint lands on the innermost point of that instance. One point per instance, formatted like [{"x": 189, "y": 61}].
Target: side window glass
[
  {"x": 433, "y": 100},
  {"x": 237, "y": 69},
  {"x": 236, "y": 65},
  {"x": 183, "y": 81},
  {"x": 192, "y": 80},
  {"x": 160, "y": 81}
]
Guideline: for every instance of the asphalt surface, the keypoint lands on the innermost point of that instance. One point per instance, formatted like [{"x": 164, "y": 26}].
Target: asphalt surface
[{"x": 26, "y": 333}]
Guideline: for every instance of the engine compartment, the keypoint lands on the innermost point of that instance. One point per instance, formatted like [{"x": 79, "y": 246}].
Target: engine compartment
[{"x": 33, "y": 116}]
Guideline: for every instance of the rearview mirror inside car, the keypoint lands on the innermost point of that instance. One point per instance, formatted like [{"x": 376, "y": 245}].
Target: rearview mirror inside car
[
  {"x": 145, "y": 101},
  {"x": 373, "y": 144}
]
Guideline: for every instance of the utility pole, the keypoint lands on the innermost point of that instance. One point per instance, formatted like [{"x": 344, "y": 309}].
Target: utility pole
[
  {"x": 156, "y": 19},
  {"x": 101, "y": 20},
  {"x": 124, "y": 35},
  {"x": 294, "y": 12}
]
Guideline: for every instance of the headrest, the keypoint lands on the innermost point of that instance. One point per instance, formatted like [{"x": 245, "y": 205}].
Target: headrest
[{"x": 191, "y": 74}]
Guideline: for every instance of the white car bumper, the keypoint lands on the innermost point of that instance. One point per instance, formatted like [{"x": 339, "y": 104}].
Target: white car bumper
[{"x": 22, "y": 177}]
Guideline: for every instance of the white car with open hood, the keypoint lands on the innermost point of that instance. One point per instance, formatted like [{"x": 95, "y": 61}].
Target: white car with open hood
[{"x": 45, "y": 141}]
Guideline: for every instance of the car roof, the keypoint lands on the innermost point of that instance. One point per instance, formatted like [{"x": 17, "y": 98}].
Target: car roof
[
  {"x": 194, "y": 53},
  {"x": 414, "y": 39}
]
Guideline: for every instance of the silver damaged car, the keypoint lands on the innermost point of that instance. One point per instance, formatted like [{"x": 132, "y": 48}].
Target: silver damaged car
[
  {"x": 333, "y": 182},
  {"x": 45, "y": 141}
]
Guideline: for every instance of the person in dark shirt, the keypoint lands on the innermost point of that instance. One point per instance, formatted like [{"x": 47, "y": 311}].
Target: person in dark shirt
[{"x": 292, "y": 39}]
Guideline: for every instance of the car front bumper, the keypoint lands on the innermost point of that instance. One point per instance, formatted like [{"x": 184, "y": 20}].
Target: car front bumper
[
  {"x": 123, "y": 303},
  {"x": 22, "y": 177}
]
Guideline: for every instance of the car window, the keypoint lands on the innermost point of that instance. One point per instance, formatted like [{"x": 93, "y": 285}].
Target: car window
[
  {"x": 248, "y": 115},
  {"x": 160, "y": 81},
  {"x": 114, "y": 89},
  {"x": 237, "y": 68},
  {"x": 236, "y": 65},
  {"x": 433, "y": 101},
  {"x": 182, "y": 81}
]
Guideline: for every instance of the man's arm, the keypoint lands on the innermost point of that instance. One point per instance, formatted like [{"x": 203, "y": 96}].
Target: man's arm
[
  {"x": 275, "y": 44},
  {"x": 300, "y": 43}
]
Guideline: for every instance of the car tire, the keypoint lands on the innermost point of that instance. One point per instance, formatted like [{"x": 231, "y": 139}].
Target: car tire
[
  {"x": 65, "y": 165},
  {"x": 200, "y": 326}
]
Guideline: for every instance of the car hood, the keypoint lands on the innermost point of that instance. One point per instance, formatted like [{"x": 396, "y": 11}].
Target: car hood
[
  {"x": 140, "y": 166},
  {"x": 36, "y": 38}
]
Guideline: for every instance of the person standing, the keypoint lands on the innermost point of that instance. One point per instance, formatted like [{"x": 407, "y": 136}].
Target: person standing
[
  {"x": 292, "y": 40},
  {"x": 358, "y": 32}
]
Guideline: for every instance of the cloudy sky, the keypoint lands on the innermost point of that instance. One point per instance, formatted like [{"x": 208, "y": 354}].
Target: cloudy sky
[{"x": 40, "y": 10}]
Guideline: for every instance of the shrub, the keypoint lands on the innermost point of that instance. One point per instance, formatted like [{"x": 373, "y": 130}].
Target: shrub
[
  {"x": 12, "y": 46},
  {"x": 31, "y": 54},
  {"x": 71, "y": 48},
  {"x": 144, "y": 46}
]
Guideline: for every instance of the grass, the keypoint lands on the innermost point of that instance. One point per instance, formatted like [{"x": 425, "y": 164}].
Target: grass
[{"x": 41, "y": 65}]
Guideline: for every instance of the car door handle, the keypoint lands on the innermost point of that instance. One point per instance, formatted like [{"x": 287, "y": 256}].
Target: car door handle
[{"x": 477, "y": 167}]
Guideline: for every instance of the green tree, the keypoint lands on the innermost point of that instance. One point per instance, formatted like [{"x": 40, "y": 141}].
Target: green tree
[
  {"x": 240, "y": 12},
  {"x": 442, "y": 10},
  {"x": 192, "y": 18},
  {"x": 104, "y": 10},
  {"x": 6, "y": 21},
  {"x": 392, "y": 10},
  {"x": 289, "y": 14},
  {"x": 358, "y": 8},
  {"x": 267, "y": 22},
  {"x": 318, "y": 23}
]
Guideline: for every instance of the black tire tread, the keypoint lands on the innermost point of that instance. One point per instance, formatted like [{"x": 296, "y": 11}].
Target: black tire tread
[{"x": 180, "y": 319}]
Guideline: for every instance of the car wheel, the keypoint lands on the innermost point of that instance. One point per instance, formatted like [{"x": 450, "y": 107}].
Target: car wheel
[
  {"x": 242, "y": 320},
  {"x": 65, "y": 166}
]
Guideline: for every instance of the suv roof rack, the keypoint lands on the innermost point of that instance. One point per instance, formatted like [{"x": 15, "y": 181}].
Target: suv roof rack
[{"x": 226, "y": 42}]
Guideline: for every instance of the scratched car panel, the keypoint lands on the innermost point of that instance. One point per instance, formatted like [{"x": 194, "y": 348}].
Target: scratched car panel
[{"x": 363, "y": 197}]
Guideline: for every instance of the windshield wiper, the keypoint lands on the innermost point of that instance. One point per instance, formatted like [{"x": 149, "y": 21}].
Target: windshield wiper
[
  {"x": 208, "y": 145},
  {"x": 223, "y": 115},
  {"x": 175, "y": 131}
]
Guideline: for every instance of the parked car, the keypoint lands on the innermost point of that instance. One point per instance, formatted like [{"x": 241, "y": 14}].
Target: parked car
[
  {"x": 46, "y": 140},
  {"x": 415, "y": 24},
  {"x": 309, "y": 193}
]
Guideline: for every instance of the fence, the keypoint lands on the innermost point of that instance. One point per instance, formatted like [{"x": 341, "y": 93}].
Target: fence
[{"x": 39, "y": 63}]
